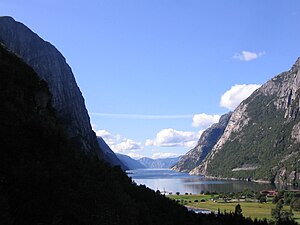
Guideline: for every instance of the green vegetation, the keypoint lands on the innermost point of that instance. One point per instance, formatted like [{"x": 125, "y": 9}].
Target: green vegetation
[
  {"x": 263, "y": 143},
  {"x": 227, "y": 203}
]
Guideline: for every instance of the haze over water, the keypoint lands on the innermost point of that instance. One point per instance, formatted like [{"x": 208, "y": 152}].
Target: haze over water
[{"x": 172, "y": 181}]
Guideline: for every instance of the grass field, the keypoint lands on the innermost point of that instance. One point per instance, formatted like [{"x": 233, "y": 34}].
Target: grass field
[{"x": 250, "y": 209}]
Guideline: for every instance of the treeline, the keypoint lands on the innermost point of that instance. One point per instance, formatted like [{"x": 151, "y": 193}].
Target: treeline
[{"x": 44, "y": 181}]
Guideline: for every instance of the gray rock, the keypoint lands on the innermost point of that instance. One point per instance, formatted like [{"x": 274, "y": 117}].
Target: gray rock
[
  {"x": 205, "y": 144},
  {"x": 51, "y": 66}
]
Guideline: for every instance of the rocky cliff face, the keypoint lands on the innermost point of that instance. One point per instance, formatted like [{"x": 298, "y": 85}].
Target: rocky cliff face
[
  {"x": 51, "y": 66},
  {"x": 205, "y": 144},
  {"x": 261, "y": 140}
]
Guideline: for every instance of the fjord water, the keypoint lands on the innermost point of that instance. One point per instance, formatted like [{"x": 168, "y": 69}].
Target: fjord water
[{"x": 172, "y": 181}]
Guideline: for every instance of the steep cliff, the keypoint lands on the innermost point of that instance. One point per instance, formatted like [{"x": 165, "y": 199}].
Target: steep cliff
[
  {"x": 205, "y": 144},
  {"x": 51, "y": 66},
  {"x": 261, "y": 140}
]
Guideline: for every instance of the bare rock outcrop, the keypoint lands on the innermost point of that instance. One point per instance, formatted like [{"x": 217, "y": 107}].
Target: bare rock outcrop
[
  {"x": 51, "y": 66},
  {"x": 205, "y": 144}
]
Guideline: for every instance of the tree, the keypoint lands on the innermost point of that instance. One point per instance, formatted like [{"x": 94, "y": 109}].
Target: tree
[
  {"x": 280, "y": 215},
  {"x": 262, "y": 198},
  {"x": 276, "y": 213},
  {"x": 238, "y": 210},
  {"x": 295, "y": 204}
]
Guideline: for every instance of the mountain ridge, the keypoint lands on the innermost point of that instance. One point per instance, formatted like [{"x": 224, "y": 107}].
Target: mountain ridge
[
  {"x": 205, "y": 144},
  {"x": 159, "y": 163},
  {"x": 129, "y": 162},
  {"x": 51, "y": 66},
  {"x": 262, "y": 138}
]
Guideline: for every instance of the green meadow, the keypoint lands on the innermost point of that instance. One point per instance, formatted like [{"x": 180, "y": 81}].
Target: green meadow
[{"x": 250, "y": 208}]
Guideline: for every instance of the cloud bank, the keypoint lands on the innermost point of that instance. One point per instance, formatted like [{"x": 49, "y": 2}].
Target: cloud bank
[
  {"x": 173, "y": 138},
  {"x": 236, "y": 94},
  {"x": 163, "y": 155},
  {"x": 204, "y": 120},
  {"x": 248, "y": 56},
  {"x": 117, "y": 143}
]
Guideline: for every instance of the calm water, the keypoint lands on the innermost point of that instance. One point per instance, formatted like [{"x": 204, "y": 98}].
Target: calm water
[{"x": 172, "y": 181}]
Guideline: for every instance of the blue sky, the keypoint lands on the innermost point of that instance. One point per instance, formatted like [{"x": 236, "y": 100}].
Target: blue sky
[{"x": 147, "y": 68}]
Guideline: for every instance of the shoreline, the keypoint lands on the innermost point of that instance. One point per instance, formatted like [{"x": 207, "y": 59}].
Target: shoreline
[{"x": 236, "y": 179}]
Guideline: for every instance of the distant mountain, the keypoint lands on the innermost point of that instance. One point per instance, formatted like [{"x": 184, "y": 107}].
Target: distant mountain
[
  {"x": 205, "y": 144},
  {"x": 262, "y": 138},
  {"x": 51, "y": 66},
  {"x": 110, "y": 155},
  {"x": 158, "y": 163},
  {"x": 129, "y": 162}
]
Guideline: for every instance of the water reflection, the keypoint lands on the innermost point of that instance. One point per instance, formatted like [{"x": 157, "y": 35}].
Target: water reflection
[{"x": 171, "y": 181}]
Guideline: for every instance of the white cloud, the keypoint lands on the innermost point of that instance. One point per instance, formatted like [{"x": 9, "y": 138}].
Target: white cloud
[
  {"x": 173, "y": 138},
  {"x": 135, "y": 155},
  {"x": 203, "y": 120},
  {"x": 236, "y": 94},
  {"x": 163, "y": 155},
  {"x": 248, "y": 56},
  {"x": 126, "y": 144},
  {"x": 118, "y": 143}
]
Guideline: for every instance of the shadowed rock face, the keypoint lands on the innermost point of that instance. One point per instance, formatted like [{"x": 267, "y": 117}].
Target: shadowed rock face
[
  {"x": 205, "y": 144},
  {"x": 51, "y": 66}
]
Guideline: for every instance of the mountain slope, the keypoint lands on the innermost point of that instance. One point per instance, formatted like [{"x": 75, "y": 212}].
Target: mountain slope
[
  {"x": 51, "y": 66},
  {"x": 129, "y": 162},
  {"x": 205, "y": 144},
  {"x": 262, "y": 138},
  {"x": 44, "y": 180},
  {"x": 158, "y": 163}
]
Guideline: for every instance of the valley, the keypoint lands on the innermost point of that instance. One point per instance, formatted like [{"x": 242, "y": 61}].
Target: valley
[{"x": 58, "y": 167}]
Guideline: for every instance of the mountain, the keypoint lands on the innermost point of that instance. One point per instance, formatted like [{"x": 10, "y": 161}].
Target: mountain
[
  {"x": 129, "y": 162},
  {"x": 158, "y": 163},
  {"x": 46, "y": 180},
  {"x": 51, "y": 66},
  {"x": 110, "y": 156},
  {"x": 205, "y": 144},
  {"x": 262, "y": 138}
]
